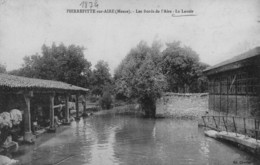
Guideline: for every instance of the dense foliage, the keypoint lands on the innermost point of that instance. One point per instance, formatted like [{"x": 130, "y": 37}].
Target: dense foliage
[
  {"x": 101, "y": 78},
  {"x": 182, "y": 68},
  {"x": 139, "y": 77},
  {"x": 59, "y": 63},
  {"x": 146, "y": 72}
]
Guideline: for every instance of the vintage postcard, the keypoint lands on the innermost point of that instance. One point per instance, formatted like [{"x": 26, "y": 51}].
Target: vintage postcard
[{"x": 149, "y": 82}]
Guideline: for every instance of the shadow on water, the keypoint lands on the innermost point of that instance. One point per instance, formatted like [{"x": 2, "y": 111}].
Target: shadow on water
[{"x": 120, "y": 139}]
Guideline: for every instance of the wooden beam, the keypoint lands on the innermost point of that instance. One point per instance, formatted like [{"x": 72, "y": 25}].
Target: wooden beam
[
  {"x": 58, "y": 106},
  {"x": 232, "y": 66},
  {"x": 13, "y": 90},
  {"x": 48, "y": 91}
]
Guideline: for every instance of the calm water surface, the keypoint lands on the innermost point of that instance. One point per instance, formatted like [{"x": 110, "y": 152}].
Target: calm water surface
[{"x": 112, "y": 140}]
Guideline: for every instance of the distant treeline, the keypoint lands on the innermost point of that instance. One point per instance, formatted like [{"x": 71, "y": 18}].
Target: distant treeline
[
  {"x": 144, "y": 74},
  {"x": 67, "y": 64}
]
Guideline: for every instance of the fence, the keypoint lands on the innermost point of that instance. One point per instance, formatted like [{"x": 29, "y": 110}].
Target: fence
[{"x": 239, "y": 125}]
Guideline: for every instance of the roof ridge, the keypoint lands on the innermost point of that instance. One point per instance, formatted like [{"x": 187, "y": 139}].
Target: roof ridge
[
  {"x": 242, "y": 56},
  {"x": 12, "y": 81},
  {"x": 33, "y": 78}
]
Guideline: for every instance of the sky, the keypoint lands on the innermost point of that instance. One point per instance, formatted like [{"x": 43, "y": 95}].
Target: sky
[{"x": 219, "y": 30}]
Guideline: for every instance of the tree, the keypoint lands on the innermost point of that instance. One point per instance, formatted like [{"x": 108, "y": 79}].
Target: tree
[
  {"x": 59, "y": 63},
  {"x": 101, "y": 78},
  {"x": 2, "y": 68},
  {"x": 138, "y": 77},
  {"x": 201, "y": 83},
  {"x": 181, "y": 66},
  {"x": 106, "y": 100}
]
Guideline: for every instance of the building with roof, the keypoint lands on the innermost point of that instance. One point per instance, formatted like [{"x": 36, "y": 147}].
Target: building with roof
[
  {"x": 234, "y": 85},
  {"x": 27, "y": 94}
]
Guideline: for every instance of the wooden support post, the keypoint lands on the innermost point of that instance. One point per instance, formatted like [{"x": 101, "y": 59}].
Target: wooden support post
[
  {"x": 85, "y": 105},
  {"x": 52, "y": 124},
  {"x": 220, "y": 93},
  {"x": 256, "y": 133},
  {"x": 67, "y": 111},
  {"x": 234, "y": 123},
  {"x": 77, "y": 107},
  {"x": 205, "y": 125},
  {"x": 227, "y": 97},
  {"x": 67, "y": 108},
  {"x": 236, "y": 94},
  {"x": 244, "y": 125},
  {"x": 28, "y": 136},
  {"x": 215, "y": 122},
  {"x": 214, "y": 93},
  {"x": 225, "y": 124},
  {"x": 85, "y": 114}
]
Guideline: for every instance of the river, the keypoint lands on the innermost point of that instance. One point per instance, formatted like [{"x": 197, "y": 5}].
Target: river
[{"x": 118, "y": 140}]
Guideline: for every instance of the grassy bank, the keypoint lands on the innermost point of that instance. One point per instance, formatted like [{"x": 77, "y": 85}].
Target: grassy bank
[{"x": 124, "y": 110}]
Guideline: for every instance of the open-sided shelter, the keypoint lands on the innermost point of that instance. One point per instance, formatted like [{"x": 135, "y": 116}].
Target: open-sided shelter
[{"x": 16, "y": 91}]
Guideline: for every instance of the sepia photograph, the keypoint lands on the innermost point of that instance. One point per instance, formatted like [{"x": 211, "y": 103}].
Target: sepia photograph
[{"x": 129, "y": 82}]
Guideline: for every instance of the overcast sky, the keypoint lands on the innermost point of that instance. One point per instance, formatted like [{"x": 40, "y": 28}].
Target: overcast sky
[{"x": 220, "y": 29}]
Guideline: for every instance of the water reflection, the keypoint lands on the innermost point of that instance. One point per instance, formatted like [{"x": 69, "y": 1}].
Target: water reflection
[{"x": 129, "y": 140}]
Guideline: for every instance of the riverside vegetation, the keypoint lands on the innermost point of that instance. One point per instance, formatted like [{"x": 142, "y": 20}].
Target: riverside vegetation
[{"x": 143, "y": 75}]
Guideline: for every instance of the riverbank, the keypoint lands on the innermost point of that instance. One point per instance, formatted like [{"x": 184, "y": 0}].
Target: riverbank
[
  {"x": 243, "y": 142},
  {"x": 130, "y": 109},
  {"x": 171, "y": 105}
]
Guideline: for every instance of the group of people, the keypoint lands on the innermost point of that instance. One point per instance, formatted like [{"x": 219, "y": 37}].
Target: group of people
[
  {"x": 10, "y": 121},
  {"x": 10, "y": 126},
  {"x": 41, "y": 119},
  {"x": 59, "y": 115}
]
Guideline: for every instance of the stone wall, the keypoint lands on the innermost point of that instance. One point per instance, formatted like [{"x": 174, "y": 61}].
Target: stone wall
[{"x": 182, "y": 105}]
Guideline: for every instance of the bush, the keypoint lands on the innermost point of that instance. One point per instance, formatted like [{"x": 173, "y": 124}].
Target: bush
[
  {"x": 121, "y": 97},
  {"x": 93, "y": 99},
  {"x": 106, "y": 101}
]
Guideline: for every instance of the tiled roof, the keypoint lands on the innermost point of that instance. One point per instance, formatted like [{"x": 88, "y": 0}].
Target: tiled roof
[
  {"x": 11, "y": 81},
  {"x": 246, "y": 55}
]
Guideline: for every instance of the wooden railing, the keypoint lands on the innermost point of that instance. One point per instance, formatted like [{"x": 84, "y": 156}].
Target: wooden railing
[{"x": 239, "y": 125}]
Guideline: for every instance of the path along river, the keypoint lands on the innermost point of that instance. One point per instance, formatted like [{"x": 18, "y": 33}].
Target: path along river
[{"x": 116, "y": 139}]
